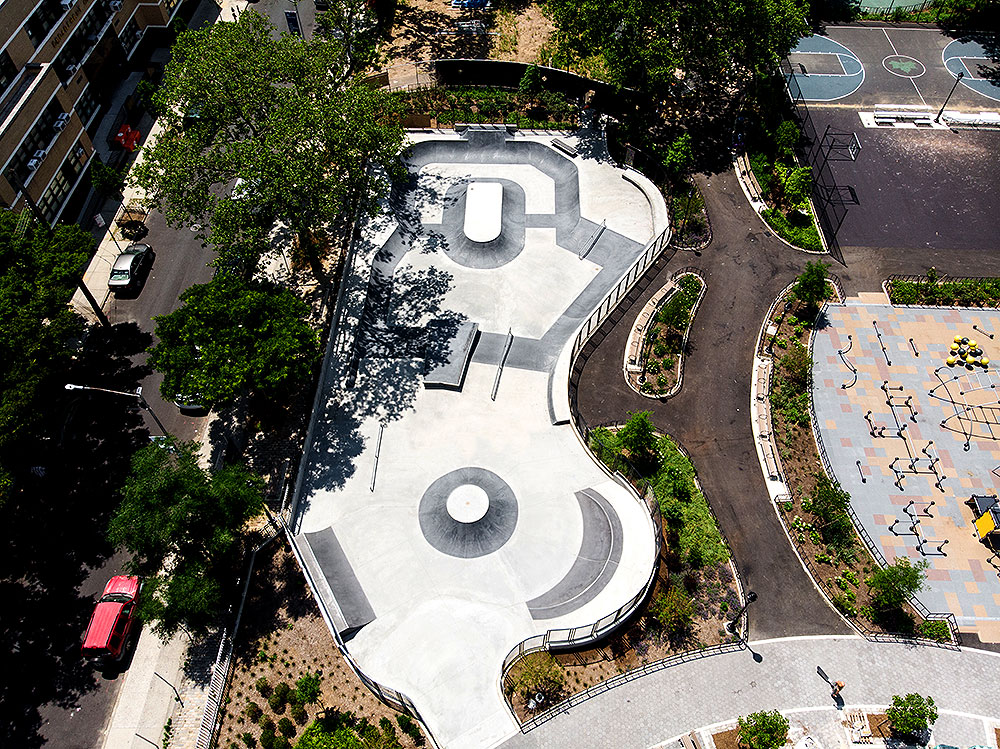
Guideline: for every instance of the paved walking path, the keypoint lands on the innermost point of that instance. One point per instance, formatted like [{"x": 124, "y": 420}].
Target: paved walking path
[
  {"x": 745, "y": 268},
  {"x": 716, "y": 689}
]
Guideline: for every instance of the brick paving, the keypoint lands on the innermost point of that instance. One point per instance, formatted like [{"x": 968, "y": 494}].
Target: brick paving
[
  {"x": 712, "y": 690},
  {"x": 899, "y": 477}
]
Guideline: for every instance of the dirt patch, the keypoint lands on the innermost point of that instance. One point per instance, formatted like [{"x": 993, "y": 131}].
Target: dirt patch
[
  {"x": 282, "y": 638},
  {"x": 879, "y": 725},
  {"x": 727, "y": 739},
  {"x": 421, "y": 30}
]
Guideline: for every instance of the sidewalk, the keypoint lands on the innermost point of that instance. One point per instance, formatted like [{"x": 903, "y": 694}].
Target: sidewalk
[{"x": 717, "y": 689}]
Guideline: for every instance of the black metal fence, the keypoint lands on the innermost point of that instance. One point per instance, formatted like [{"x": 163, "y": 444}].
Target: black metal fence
[{"x": 826, "y": 195}]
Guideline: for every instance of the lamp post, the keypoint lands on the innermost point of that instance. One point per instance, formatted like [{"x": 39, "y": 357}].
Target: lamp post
[
  {"x": 959, "y": 77},
  {"x": 731, "y": 625},
  {"x": 137, "y": 395}
]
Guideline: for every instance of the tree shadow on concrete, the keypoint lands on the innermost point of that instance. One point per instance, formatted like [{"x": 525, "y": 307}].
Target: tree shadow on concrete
[
  {"x": 393, "y": 348},
  {"x": 55, "y": 524}
]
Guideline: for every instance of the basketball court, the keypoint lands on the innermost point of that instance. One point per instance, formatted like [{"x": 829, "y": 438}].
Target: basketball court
[{"x": 888, "y": 68}]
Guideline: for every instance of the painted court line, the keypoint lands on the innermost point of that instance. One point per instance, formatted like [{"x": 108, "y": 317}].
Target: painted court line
[{"x": 895, "y": 52}]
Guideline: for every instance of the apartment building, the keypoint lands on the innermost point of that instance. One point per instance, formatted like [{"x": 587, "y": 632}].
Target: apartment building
[{"x": 59, "y": 61}]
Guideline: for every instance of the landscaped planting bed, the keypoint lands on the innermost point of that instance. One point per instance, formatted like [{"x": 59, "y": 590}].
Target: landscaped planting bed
[
  {"x": 816, "y": 512},
  {"x": 934, "y": 290},
  {"x": 665, "y": 338},
  {"x": 694, "y": 593},
  {"x": 537, "y": 109},
  {"x": 287, "y": 670}
]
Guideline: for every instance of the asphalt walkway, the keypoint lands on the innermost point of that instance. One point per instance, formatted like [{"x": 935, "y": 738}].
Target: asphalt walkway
[
  {"x": 745, "y": 268},
  {"x": 782, "y": 674}
]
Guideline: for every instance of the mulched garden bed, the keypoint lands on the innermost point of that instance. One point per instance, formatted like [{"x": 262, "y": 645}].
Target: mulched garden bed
[
  {"x": 842, "y": 576},
  {"x": 282, "y": 638}
]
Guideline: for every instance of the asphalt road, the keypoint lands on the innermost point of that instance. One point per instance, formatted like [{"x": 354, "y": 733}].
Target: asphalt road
[{"x": 180, "y": 262}]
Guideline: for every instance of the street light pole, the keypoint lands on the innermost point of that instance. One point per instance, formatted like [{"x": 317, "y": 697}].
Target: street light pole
[
  {"x": 731, "y": 625},
  {"x": 959, "y": 77},
  {"x": 137, "y": 395}
]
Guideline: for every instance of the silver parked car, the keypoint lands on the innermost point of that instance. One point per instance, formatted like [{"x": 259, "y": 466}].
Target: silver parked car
[{"x": 130, "y": 266}]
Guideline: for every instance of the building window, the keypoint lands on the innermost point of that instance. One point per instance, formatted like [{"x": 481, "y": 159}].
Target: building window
[
  {"x": 87, "y": 105},
  {"x": 55, "y": 196},
  {"x": 75, "y": 161},
  {"x": 43, "y": 19},
  {"x": 8, "y": 71},
  {"x": 169, "y": 5},
  {"x": 38, "y": 139},
  {"x": 130, "y": 36}
]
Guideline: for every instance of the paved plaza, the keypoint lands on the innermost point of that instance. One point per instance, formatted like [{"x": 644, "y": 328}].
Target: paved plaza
[
  {"x": 912, "y": 439},
  {"x": 442, "y": 525},
  {"x": 707, "y": 694}
]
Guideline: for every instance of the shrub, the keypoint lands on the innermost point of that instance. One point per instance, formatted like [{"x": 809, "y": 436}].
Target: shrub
[
  {"x": 798, "y": 184},
  {"x": 786, "y": 137},
  {"x": 811, "y": 287},
  {"x": 828, "y": 502},
  {"x": 762, "y": 170},
  {"x": 307, "y": 688},
  {"x": 286, "y": 727},
  {"x": 531, "y": 81},
  {"x": 674, "y": 610},
  {"x": 935, "y": 629},
  {"x": 262, "y": 686},
  {"x": 805, "y": 237},
  {"x": 266, "y": 724},
  {"x": 247, "y": 739},
  {"x": 539, "y": 673},
  {"x": 797, "y": 365},
  {"x": 679, "y": 159},
  {"x": 844, "y": 606},
  {"x": 253, "y": 711},
  {"x": 911, "y": 714},
  {"x": 891, "y": 586},
  {"x": 277, "y": 701},
  {"x": 411, "y": 729},
  {"x": 638, "y": 437},
  {"x": 763, "y": 730},
  {"x": 298, "y": 713}
]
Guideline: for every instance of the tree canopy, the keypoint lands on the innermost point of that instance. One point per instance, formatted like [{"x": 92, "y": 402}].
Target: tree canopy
[
  {"x": 763, "y": 730},
  {"x": 289, "y": 116},
  {"x": 182, "y": 526},
  {"x": 892, "y": 586},
  {"x": 39, "y": 269},
  {"x": 810, "y": 285},
  {"x": 911, "y": 714},
  {"x": 230, "y": 336},
  {"x": 661, "y": 47}
]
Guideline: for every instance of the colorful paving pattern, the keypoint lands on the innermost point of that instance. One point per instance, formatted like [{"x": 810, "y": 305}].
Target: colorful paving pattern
[{"x": 911, "y": 431}]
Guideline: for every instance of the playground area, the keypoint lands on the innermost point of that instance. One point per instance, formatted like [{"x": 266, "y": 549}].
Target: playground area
[
  {"x": 890, "y": 68},
  {"x": 448, "y": 510},
  {"x": 908, "y": 409}
]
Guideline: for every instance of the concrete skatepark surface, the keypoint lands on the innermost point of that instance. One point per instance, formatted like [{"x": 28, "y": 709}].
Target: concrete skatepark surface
[{"x": 444, "y": 525}]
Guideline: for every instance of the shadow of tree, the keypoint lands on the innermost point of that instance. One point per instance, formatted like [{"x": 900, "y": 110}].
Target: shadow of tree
[{"x": 55, "y": 525}]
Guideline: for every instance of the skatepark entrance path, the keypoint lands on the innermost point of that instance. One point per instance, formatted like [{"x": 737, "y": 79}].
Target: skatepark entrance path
[{"x": 444, "y": 525}]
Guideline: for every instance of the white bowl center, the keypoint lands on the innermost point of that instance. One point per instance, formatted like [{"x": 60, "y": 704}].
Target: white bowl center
[{"x": 468, "y": 503}]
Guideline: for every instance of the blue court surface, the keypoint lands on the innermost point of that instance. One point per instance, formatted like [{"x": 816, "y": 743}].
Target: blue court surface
[{"x": 874, "y": 67}]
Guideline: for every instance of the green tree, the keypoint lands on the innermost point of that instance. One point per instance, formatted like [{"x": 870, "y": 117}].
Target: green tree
[
  {"x": 106, "y": 179},
  {"x": 786, "y": 137},
  {"x": 892, "y": 586},
  {"x": 539, "y": 673},
  {"x": 674, "y": 610},
  {"x": 638, "y": 437},
  {"x": 811, "y": 287},
  {"x": 763, "y": 730},
  {"x": 798, "y": 185},
  {"x": 718, "y": 43},
  {"x": 531, "y": 81},
  {"x": 285, "y": 114},
  {"x": 829, "y": 503},
  {"x": 39, "y": 269},
  {"x": 911, "y": 715},
  {"x": 679, "y": 159},
  {"x": 182, "y": 527},
  {"x": 229, "y": 337}
]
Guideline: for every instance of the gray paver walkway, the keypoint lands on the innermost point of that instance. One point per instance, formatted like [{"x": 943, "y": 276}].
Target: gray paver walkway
[{"x": 653, "y": 708}]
